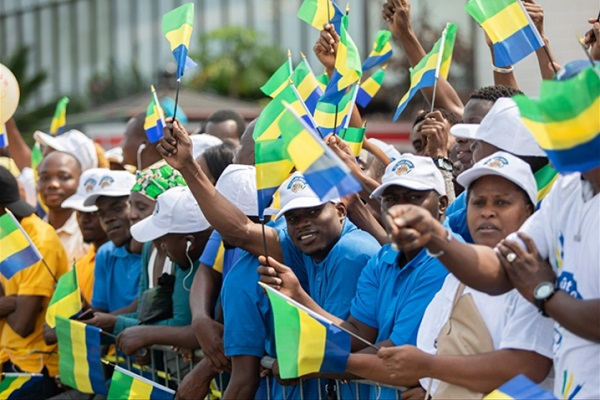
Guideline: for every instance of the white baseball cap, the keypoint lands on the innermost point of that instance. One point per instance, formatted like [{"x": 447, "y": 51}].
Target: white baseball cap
[
  {"x": 202, "y": 142},
  {"x": 115, "y": 155},
  {"x": 238, "y": 184},
  {"x": 389, "y": 150},
  {"x": 502, "y": 127},
  {"x": 506, "y": 166},
  {"x": 73, "y": 142},
  {"x": 111, "y": 184},
  {"x": 295, "y": 193},
  {"x": 413, "y": 172},
  {"x": 176, "y": 211},
  {"x": 87, "y": 183}
]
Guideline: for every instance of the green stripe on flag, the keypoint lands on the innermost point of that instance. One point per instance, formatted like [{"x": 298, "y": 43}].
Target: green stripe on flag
[
  {"x": 383, "y": 36},
  {"x": 287, "y": 334},
  {"x": 7, "y": 225},
  {"x": 176, "y": 18},
  {"x": 481, "y": 10},
  {"x": 66, "y": 359}
]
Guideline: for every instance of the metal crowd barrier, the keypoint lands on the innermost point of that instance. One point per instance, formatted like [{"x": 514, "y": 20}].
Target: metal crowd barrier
[{"x": 175, "y": 368}]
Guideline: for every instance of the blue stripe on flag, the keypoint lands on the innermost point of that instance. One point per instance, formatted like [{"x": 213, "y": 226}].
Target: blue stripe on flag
[
  {"x": 336, "y": 350},
  {"x": 92, "y": 339},
  {"x": 371, "y": 62},
  {"x": 427, "y": 80},
  {"x": 330, "y": 181},
  {"x": 180, "y": 53},
  {"x": 156, "y": 132},
  {"x": 18, "y": 262},
  {"x": 265, "y": 197},
  {"x": 516, "y": 47},
  {"x": 362, "y": 97},
  {"x": 311, "y": 101},
  {"x": 580, "y": 158}
]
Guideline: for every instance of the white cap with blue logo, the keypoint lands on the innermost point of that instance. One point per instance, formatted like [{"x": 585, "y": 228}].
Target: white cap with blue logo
[
  {"x": 87, "y": 182},
  {"x": 110, "y": 184},
  {"x": 296, "y": 193},
  {"x": 413, "y": 172}
]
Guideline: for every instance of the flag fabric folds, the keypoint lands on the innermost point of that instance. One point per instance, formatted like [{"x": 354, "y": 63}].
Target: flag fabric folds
[
  {"x": 66, "y": 300},
  {"x": 509, "y": 27},
  {"x": 382, "y": 50},
  {"x": 3, "y": 137},
  {"x": 545, "y": 178},
  {"x": 18, "y": 251},
  {"x": 564, "y": 121},
  {"x": 520, "y": 387},
  {"x": 155, "y": 120},
  {"x": 273, "y": 167},
  {"x": 305, "y": 342},
  {"x": 333, "y": 118},
  {"x": 326, "y": 174},
  {"x": 177, "y": 26},
  {"x": 319, "y": 12},
  {"x": 424, "y": 73},
  {"x": 279, "y": 80},
  {"x": 307, "y": 85},
  {"x": 354, "y": 137},
  {"x": 369, "y": 88},
  {"x": 266, "y": 127},
  {"x": 79, "y": 356},
  {"x": 59, "y": 120},
  {"x": 13, "y": 384},
  {"x": 126, "y": 385},
  {"x": 347, "y": 70}
]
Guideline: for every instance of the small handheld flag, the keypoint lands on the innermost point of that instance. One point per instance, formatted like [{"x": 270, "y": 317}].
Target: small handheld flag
[
  {"x": 177, "y": 26},
  {"x": 155, "y": 119},
  {"x": 305, "y": 341},
  {"x": 509, "y": 27},
  {"x": 273, "y": 167},
  {"x": 382, "y": 50},
  {"x": 126, "y": 385},
  {"x": 279, "y": 80},
  {"x": 319, "y": 12},
  {"x": 369, "y": 88},
  {"x": 3, "y": 137},
  {"x": 18, "y": 251},
  {"x": 66, "y": 300},
  {"x": 354, "y": 137},
  {"x": 332, "y": 118},
  {"x": 307, "y": 85},
  {"x": 13, "y": 385},
  {"x": 59, "y": 120}
]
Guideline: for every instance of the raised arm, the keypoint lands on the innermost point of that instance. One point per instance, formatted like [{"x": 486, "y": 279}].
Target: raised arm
[
  {"x": 19, "y": 151},
  {"x": 397, "y": 15},
  {"x": 536, "y": 12},
  {"x": 233, "y": 225}
]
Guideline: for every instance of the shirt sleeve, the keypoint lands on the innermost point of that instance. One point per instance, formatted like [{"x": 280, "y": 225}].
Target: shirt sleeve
[
  {"x": 364, "y": 306},
  {"x": 212, "y": 256},
  {"x": 99, "y": 299}
]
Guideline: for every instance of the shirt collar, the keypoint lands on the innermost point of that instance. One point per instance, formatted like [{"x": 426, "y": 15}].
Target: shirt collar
[{"x": 70, "y": 227}]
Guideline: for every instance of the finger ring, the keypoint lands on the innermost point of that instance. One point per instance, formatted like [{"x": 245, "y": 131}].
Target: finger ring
[{"x": 510, "y": 257}]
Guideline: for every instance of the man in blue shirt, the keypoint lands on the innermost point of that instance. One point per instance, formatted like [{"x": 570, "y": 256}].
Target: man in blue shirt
[{"x": 394, "y": 288}]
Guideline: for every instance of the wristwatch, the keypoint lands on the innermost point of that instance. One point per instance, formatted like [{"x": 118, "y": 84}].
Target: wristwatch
[
  {"x": 443, "y": 163},
  {"x": 541, "y": 294}
]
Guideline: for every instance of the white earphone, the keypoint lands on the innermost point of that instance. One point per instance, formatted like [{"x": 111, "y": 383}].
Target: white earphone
[{"x": 188, "y": 244}]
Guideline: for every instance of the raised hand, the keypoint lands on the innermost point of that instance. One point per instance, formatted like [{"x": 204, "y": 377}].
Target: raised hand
[
  {"x": 536, "y": 13},
  {"x": 326, "y": 47},
  {"x": 397, "y": 15},
  {"x": 279, "y": 277},
  {"x": 434, "y": 133},
  {"x": 411, "y": 227},
  {"x": 592, "y": 39},
  {"x": 175, "y": 147}
]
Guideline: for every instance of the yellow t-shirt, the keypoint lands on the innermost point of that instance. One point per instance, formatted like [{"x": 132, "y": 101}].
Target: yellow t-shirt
[
  {"x": 85, "y": 273},
  {"x": 35, "y": 281}
]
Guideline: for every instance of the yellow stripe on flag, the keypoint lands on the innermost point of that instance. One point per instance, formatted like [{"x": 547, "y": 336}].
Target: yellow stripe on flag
[
  {"x": 416, "y": 78},
  {"x": 273, "y": 173},
  {"x": 543, "y": 192},
  {"x": 81, "y": 368},
  {"x": 311, "y": 348},
  {"x": 561, "y": 135},
  {"x": 12, "y": 244},
  {"x": 151, "y": 119},
  {"x": 371, "y": 86},
  {"x": 304, "y": 150},
  {"x": 68, "y": 306},
  {"x": 505, "y": 23},
  {"x": 14, "y": 386},
  {"x": 498, "y": 395},
  {"x": 279, "y": 89},
  {"x": 355, "y": 147},
  {"x": 140, "y": 389},
  {"x": 179, "y": 36}
]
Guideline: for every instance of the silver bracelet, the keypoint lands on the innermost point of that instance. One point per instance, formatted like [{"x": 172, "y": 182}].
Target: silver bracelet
[
  {"x": 501, "y": 70},
  {"x": 441, "y": 252}
]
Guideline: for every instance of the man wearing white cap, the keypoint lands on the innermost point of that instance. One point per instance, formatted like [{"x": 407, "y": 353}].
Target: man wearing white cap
[
  {"x": 394, "y": 288},
  {"x": 179, "y": 227},
  {"x": 73, "y": 142},
  {"x": 117, "y": 271}
]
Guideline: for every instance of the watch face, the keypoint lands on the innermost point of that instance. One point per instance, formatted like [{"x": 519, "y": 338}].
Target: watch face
[{"x": 543, "y": 290}]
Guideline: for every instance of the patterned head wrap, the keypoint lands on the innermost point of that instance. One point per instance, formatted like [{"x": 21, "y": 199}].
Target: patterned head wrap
[{"x": 154, "y": 181}]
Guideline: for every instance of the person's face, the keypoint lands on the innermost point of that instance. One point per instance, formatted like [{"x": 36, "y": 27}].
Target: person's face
[
  {"x": 244, "y": 153},
  {"x": 481, "y": 150},
  {"x": 226, "y": 131},
  {"x": 132, "y": 139},
  {"x": 175, "y": 245},
  {"x": 314, "y": 231},
  {"x": 428, "y": 199},
  {"x": 474, "y": 111},
  {"x": 58, "y": 178},
  {"x": 90, "y": 227},
  {"x": 417, "y": 139},
  {"x": 140, "y": 207},
  {"x": 495, "y": 209},
  {"x": 114, "y": 218}
]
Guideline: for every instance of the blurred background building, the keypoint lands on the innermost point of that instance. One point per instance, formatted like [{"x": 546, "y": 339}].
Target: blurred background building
[{"x": 104, "y": 54}]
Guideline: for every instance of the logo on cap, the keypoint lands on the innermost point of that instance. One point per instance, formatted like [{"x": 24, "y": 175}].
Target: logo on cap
[
  {"x": 403, "y": 167},
  {"x": 496, "y": 162},
  {"x": 297, "y": 184},
  {"x": 89, "y": 185},
  {"x": 106, "y": 181}
]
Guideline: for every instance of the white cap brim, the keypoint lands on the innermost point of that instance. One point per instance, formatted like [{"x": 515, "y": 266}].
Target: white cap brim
[
  {"x": 302, "y": 202},
  {"x": 76, "y": 202},
  {"x": 471, "y": 175},
  {"x": 407, "y": 183},
  {"x": 146, "y": 231},
  {"x": 466, "y": 131},
  {"x": 91, "y": 199},
  {"x": 48, "y": 140}
]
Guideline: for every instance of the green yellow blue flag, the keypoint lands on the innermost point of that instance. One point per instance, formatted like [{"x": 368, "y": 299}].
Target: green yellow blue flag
[
  {"x": 317, "y": 13},
  {"x": 280, "y": 78},
  {"x": 273, "y": 167},
  {"x": 155, "y": 119},
  {"x": 307, "y": 85},
  {"x": 305, "y": 341},
  {"x": 354, "y": 137},
  {"x": 66, "y": 300},
  {"x": 427, "y": 71},
  {"x": 332, "y": 118},
  {"x": 509, "y": 27},
  {"x": 520, "y": 387},
  {"x": 59, "y": 120},
  {"x": 3, "y": 138},
  {"x": 18, "y": 251},
  {"x": 177, "y": 26},
  {"x": 382, "y": 50},
  {"x": 369, "y": 88},
  {"x": 564, "y": 120},
  {"x": 324, "y": 171},
  {"x": 79, "y": 361},
  {"x": 13, "y": 385},
  {"x": 126, "y": 385}
]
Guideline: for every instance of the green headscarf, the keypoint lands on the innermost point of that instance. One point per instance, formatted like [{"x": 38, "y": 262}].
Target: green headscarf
[{"x": 153, "y": 182}]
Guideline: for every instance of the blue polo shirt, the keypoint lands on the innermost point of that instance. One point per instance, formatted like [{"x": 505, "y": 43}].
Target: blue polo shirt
[
  {"x": 116, "y": 277},
  {"x": 393, "y": 299},
  {"x": 211, "y": 251},
  {"x": 456, "y": 215}
]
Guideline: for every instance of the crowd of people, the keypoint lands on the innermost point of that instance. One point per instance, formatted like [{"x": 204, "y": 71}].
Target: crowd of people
[{"x": 466, "y": 263}]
